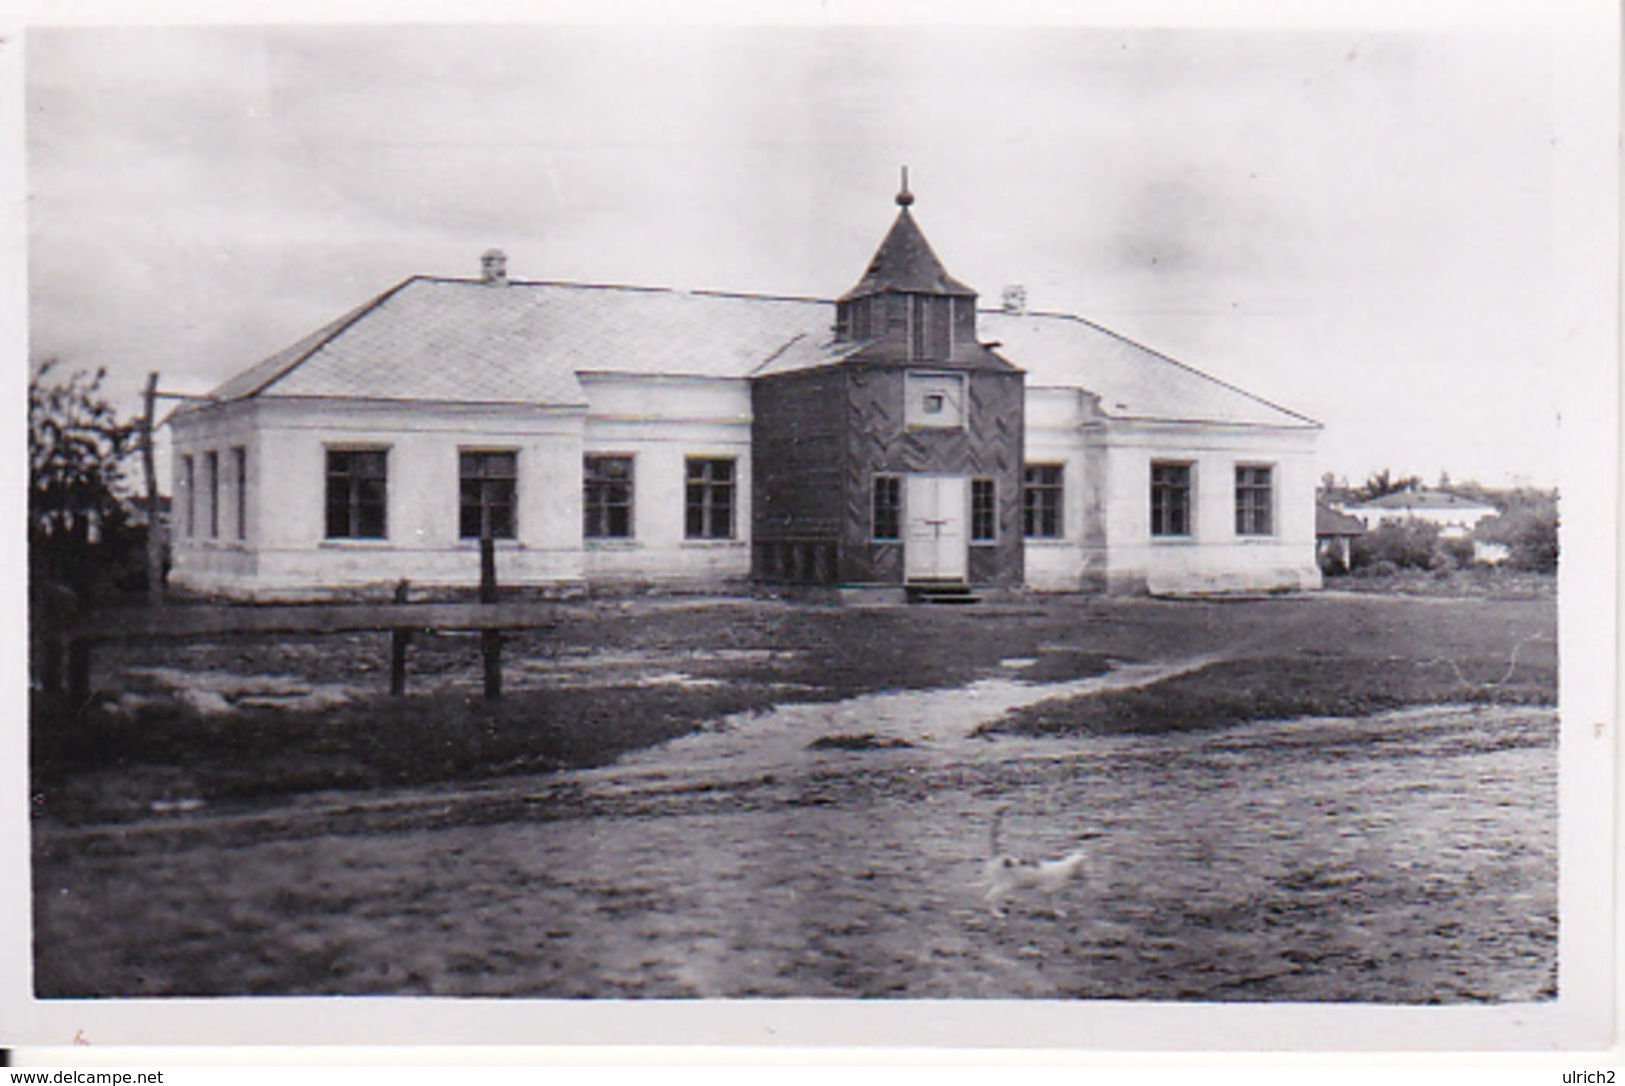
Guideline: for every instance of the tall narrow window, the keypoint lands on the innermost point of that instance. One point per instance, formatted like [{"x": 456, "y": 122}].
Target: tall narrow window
[
  {"x": 211, "y": 466},
  {"x": 1041, "y": 502},
  {"x": 1254, "y": 500},
  {"x": 239, "y": 456},
  {"x": 1170, "y": 499},
  {"x": 709, "y": 509},
  {"x": 888, "y": 508},
  {"x": 357, "y": 493},
  {"x": 189, "y": 484},
  {"x": 607, "y": 497},
  {"x": 486, "y": 492},
  {"x": 929, "y": 323},
  {"x": 984, "y": 519}
]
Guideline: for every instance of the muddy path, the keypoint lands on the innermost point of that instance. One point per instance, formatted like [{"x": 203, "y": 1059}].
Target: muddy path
[{"x": 1407, "y": 857}]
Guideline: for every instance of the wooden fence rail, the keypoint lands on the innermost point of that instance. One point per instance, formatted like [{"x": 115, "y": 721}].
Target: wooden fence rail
[
  {"x": 310, "y": 618},
  {"x": 205, "y": 621}
]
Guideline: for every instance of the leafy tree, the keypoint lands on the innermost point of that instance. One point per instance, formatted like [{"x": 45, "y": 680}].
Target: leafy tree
[
  {"x": 1383, "y": 482},
  {"x": 78, "y": 513},
  {"x": 1527, "y": 526}
]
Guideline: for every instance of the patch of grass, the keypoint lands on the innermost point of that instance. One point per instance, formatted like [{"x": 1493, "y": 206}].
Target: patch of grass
[
  {"x": 381, "y": 741},
  {"x": 1239, "y": 691},
  {"x": 866, "y": 741},
  {"x": 1477, "y": 581},
  {"x": 1302, "y": 654}
]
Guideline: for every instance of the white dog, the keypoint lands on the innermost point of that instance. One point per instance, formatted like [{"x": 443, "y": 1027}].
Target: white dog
[{"x": 1007, "y": 874}]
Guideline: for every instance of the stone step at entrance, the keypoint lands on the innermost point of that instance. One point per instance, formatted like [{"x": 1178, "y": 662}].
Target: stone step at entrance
[{"x": 943, "y": 592}]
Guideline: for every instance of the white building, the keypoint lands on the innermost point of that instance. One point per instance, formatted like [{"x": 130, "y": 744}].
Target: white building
[
  {"x": 613, "y": 434},
  {"x": 1455, "y": 516}
]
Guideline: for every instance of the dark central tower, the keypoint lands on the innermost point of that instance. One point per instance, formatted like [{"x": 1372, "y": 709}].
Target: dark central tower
[{"x": 895, "y": 456}]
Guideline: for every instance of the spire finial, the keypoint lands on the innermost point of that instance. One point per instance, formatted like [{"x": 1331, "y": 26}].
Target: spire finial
[{"x": 904, "y": 197}]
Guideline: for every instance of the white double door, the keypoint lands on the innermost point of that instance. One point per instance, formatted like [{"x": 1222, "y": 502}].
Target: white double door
[{"x": 936, "y": 538}]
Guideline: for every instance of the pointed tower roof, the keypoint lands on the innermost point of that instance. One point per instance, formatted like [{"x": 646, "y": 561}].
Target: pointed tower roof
[{"x": 904, "y": 263}]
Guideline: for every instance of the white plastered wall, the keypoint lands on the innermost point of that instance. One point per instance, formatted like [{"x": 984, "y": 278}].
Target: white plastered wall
[
  {"x": 660, "y": 422},
  {"x": 1213, "y": 558},
  {"x": 1063, "y": 426},
  {"x": 285, "y": 553}
]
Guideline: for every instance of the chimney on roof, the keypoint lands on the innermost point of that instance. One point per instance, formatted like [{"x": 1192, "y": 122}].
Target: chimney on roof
[
  {"x": 494, "y": 267},
  {"x": 1015, "y": 299}
]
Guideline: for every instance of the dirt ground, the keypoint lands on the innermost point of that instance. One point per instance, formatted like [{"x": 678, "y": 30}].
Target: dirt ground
[{"x": 1405, "y": 856}]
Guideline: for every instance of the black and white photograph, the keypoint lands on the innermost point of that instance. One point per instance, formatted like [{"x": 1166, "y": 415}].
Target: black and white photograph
[{"x": 843, "y": 526}]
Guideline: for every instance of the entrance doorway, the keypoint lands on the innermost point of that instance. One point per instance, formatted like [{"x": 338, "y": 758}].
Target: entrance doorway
[{"x": 935, "y": 544}]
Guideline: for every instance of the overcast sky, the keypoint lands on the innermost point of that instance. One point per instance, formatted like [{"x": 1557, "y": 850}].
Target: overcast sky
[{"x": 1357, "y": 224}]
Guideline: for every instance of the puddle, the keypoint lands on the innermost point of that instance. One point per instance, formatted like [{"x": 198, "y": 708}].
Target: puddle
[
  {"x": 934, "y": 723},
  {"x": 221, "y": 693},
  {"x": 608, "y": 668}
]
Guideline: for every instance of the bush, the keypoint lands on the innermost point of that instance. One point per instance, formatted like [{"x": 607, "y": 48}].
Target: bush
[
  {"x": 1331, "y": 563},
  {"x": 1529, "y": 532},
  {"x": 1453, "y": 554},
  {"x": 1405, "y": 544}
]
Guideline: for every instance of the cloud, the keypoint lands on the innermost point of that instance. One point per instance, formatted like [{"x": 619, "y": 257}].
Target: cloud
[{"x": 1306, "y": 214}]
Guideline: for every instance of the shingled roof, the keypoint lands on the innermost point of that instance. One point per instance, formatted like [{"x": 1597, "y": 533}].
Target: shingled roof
[
  {"x": 467, "y": 341},
  {"x": 1133, "y": 382},
  {"x": 1424, "y": 499},
  {"x": 905, "y": 263}
]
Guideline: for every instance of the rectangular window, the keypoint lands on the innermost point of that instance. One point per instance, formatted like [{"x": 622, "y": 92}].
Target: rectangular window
[
  {"x": 1041, "y": 502},
  {"x": 709, "y": 505},
  {"x": 1170, "y": 499},
  {"x": 486, "y": 493},
  {"x": 888, "y": 508},
  {"x": 984, "y": 517},
  {"x": 189, "y": 484},
  {"x": 357, "y": 493},
  {"x": 239, "y": 456},
  {"x": 1255, "y": 499},
  {"x": 211, "y": 465},
  {"x": 607, "y": 497}
]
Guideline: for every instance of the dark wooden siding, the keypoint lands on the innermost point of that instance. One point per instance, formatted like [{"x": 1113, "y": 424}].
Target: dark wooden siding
[
  {"x": 797, "y": 445},
  {"x": 878, "y": 442}
]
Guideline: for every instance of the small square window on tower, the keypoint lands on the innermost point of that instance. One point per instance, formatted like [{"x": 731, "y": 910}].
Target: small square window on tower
[{"x": 934, "y": 400}]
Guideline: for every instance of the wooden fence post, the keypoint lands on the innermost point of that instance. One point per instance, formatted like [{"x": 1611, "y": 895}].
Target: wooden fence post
[
  {"x": 51, "y": 661},
  {"x": 398, "y": 640},
  {"x": 490, "y": 640},
  {"x": 78, "y": 673}
]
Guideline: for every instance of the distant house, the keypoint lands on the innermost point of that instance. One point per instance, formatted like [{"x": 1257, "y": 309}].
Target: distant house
[
  {"x": 1335, "y": 533},
  {"x": 1454, "y": 515},
  {"x": 898, "y": 434}
]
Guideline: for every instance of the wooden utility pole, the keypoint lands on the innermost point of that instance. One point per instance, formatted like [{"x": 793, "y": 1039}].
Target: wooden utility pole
[{"x": 155, "y": 534}]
